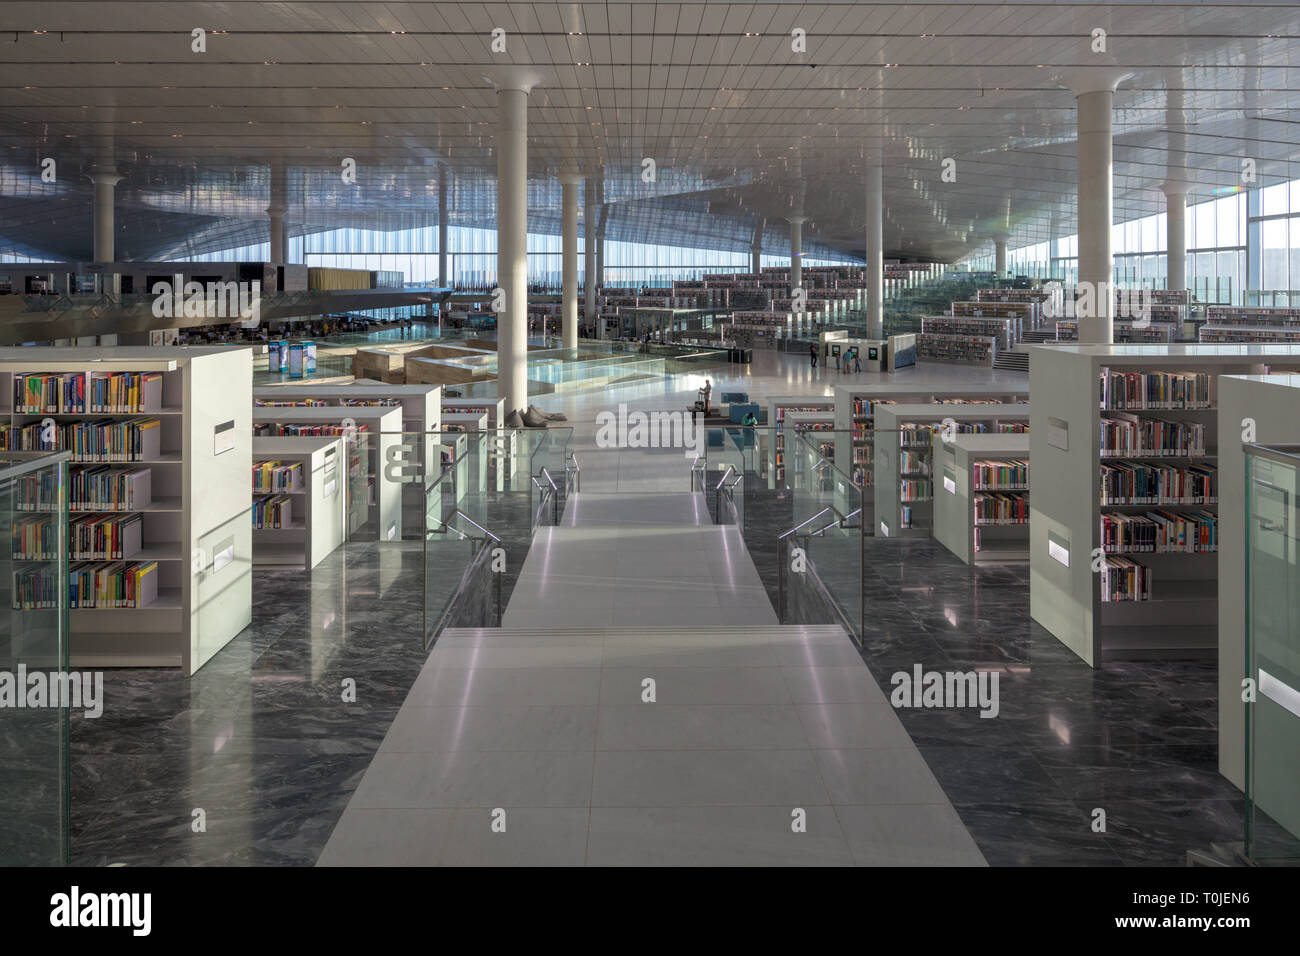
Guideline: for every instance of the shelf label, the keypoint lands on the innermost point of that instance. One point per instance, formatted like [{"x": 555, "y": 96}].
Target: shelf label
[
  {"x": 223, "y": 438},
  {"x": 884, "y": 529},
  {"x": 1058, "y": 433},
  {"x": 392, "y": 531},
  {"x": 331, "y": 487},
  {"x": 223, "y": 555},
  {"x": 1058, "y": 548},
  {"x": 949, "y": 485}
]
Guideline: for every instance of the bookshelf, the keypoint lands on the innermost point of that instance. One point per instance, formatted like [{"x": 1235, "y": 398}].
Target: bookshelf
[
  {"x": 959, "y": 349},
  {"x": 981, "y": 497},
  {"x": 1272, "y": 402},
  {"x": 855, "y": 406},
  {"x": 1177, "y": 615},
  {"x": 1124, "y": 332},
  {"x": 905, "y": 440},
  {"x": 174, "y": 507},
  {"x": 504, "y": 446},
  {"x": 374, "y": 499},
  {"x": 1280, "y": 334},
  {"x": 1002, "y": 330},
  {"x": 1019, "y": 314},
  {"x": 421, "y": 407},
  {"x": 777, "y": 408},
  {"x": 308, "y": 473}
]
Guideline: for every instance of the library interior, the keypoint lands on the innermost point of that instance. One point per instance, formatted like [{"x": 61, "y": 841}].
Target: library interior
[{"x": 686, "y": 434}]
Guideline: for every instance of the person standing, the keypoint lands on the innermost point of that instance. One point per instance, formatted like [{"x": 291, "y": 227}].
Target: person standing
[
  {"x": 857, "y": 360},
  {"x": 706, "y": 393},
  {"x": 812, "y": 351},
  {"x": 836, "y": 350}
]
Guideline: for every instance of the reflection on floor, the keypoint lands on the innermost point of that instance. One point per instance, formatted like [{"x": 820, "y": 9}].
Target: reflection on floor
[{"x": 640, "y": 706}]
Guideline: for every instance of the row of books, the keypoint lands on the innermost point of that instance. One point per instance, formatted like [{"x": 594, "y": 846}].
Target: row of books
[
  {"x": 913, "y": 463},
  {"x": 1001, "y": 509},
  {"x": 1160, "y": 532},
  {"x": 76, "y": 393},
  {"x": 915, "y": 489},
  {"x": 37, "y": 492},
  {"x": 273, "y": 511},
  {"x": 1139, "y": 484},
  {"x": 1251, "y": 315},
  {"x": 276, "y": 476},
  {"x": 290, "y": 430},
  {"x": 994, "y": 475},
  {"x": 1154, "y": 390},
  {"x": 105, "y": 539},
  {"x": 288, "y": 403},
  {"x": 1128, "y": 436},
  {"x": 35, "y": 539},
  {"x": 36, "y": 589},
  {"x": 121, "y": 584},
  {"x": 1124, "y": 580},
  {"x": 138, "y": 439},
  {"x": 109, "y": 489}
]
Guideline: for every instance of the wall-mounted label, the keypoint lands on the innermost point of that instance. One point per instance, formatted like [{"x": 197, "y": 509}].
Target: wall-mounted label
[
  {"x": 1058, "y": 433},
  {"x": 331, "y": 487},
  {"x": 223, "y": 438},
  {"x": 1058, "y": 548},
  {"x": 223, "y": 555}
]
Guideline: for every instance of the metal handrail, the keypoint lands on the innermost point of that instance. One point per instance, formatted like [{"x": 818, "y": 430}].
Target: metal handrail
[
  {"x": 456, "y": 512},
  {"x": 731, "y": 469},
  {"x": 573, "y": 476},
  {"x": 475, "y": 561}
]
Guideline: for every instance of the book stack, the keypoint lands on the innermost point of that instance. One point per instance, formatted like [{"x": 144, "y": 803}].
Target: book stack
[
  {"x": 35, "y": 589},
  {"x": 1124, "y": 580},
  {"x": 1001, "y": 509},
  {"x": 273, "y": 511},
  {"x": 99, "y": 440},
  {"x": 105, "y": 539},
  {"x": 1160, "y": 532},
  {"x": 1000, "y": 475},
  {"x": 1128, "y": 436},
  {"x": 288, "y": 403},
  {"x": 39, "y": 492},
  {"x": 109, "y": 489},
  {"x": 121, "y": 584},
  {"x": 275, "y": 477},
  {"x": 1142, "y": 484},
  {"x": 35, "y": 539},
  {"x": 1154, "y": 390}
]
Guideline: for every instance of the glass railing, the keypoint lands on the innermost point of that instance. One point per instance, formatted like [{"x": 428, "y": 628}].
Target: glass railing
[
  {"x": 34, "y": 787},
  {"x": 820, "y": 555},
  {"x": 1273, "y": 654}
]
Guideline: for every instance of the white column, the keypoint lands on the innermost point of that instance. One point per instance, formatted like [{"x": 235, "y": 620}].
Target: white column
[
  {"x": 1000, "y": 255},
  {"x": 1096, "y": 263},
  {"x": 105, "y": 181},
  {"x": 875, "y": 251},
  {"x": 756, "y": 258},
  {"x": 276, "y": 210},
  {"x": 569, "y": 258},
  {"x": 589, "y": 258},
  {"x": 1176, "y": 235},
  {"x": 512, "y": 245},
  {"x": 444, "y": 278},
  {"x": 796, "y": 253}
]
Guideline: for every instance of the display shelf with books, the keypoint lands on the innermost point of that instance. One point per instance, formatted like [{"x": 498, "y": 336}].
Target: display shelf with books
[
  {"x": 1249, "y": 316},
  {"x": 1124, "y": 532},
  {"x": 158, "y": 491},
  {"x": 1280, "y": 334},
  {"x": 1019, "y": 314},
  {"x": 905, "y": 465},
  {"x": 1002, "y": 330},
  {"x": 981, "y": 497},
  {"x": 778, "y": 407},
  {"x": 959, "y": 349},
  {"x": 373, "y": 439},
  {"x": 421, "y": 407},
  {"x": 855, "y": 406},
  {"x": 1067, "y": 330},
  {"x": 299, "y": 508},
  {"x": 1043, "y": 303},
  {"x": 503, "y": 450}
]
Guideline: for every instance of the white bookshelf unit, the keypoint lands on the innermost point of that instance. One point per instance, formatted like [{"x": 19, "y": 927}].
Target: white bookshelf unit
[
  {"x": 1174, "y": 611},
  {"x": 778, "y": 407},
  {"x": 315, "y": 485},
  {"x": 1272, "y": 404},
  {"x": 906, "y": 439},
  {"x": 374, "y": 497},
  {"x": 186, "y": 480},
  {"x": 855, "y": 406},
  {"x": 981, "y": 497},
  {"x": 421, "y": 407}
]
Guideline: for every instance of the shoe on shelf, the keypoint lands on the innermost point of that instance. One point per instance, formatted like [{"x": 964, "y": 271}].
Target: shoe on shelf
[{"x": 514, "y": 420}]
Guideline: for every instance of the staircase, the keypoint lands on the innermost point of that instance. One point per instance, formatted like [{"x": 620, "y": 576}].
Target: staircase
[{"x": 1012, "y": 361}]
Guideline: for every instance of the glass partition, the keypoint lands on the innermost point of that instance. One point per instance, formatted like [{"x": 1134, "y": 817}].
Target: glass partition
[
  {"x": 1273, "y": 654},
  {"x": 34, "y": 800},
  {"x": 820, "y": 556}
]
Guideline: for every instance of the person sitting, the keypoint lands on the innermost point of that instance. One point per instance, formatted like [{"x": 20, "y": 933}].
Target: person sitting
[{"x": 750, "y": 420}]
